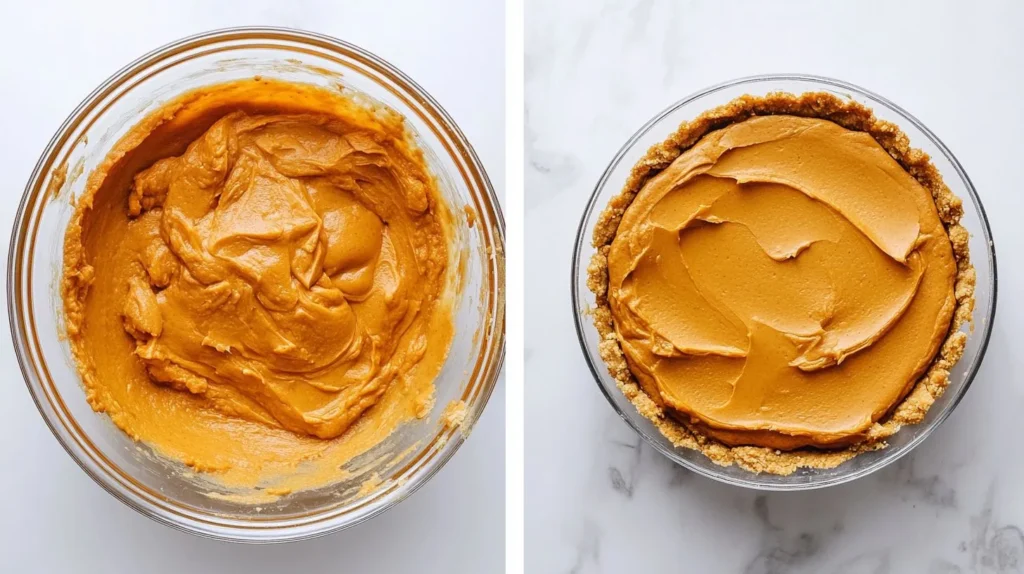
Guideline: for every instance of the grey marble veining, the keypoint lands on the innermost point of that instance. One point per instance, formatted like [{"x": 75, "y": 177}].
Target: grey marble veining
[{"x": 599, "y": 500}]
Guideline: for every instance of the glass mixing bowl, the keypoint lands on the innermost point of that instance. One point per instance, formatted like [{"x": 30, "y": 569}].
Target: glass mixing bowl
[
  {"x": 974, "y": 220},
  {"x": 158, "y": 487}
]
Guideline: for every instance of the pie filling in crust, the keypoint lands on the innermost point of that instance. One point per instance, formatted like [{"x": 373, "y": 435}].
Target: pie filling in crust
[{"x": 782, "y": 282}]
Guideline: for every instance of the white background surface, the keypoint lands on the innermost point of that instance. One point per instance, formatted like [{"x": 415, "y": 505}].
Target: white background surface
[
  {"x": 53, "y": 518},
  {"x": 598, "y": 501}
]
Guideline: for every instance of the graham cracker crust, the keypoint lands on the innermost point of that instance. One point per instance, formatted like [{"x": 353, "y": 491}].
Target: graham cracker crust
[{"x": 850, "y": 115}]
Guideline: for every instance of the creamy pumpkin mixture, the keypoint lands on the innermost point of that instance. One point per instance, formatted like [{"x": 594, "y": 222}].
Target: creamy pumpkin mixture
[
  {"x": 783, "y": 282},
  {"x": 254, "y": 280}
]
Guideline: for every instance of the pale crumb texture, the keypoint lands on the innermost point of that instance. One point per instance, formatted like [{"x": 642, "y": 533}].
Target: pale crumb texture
[
  {"x": 454, "y": 415},
  {"x": 850, "y": 115}
]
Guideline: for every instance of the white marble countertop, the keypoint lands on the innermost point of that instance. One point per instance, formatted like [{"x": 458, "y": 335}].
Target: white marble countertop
[
  {"x": 600, "y": 501},
  {"x": 53, "y": 517}
]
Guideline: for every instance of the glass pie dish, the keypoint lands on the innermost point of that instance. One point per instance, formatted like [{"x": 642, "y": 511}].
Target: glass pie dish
[
  {"x": 166, "y": 490},
  {"x": 980, "y": 245}
]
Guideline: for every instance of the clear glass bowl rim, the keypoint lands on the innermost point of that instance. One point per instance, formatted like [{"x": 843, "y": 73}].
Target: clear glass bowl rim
[
  {"x": 286, "y": 530},
  {"x": 597, "y": 366}
]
